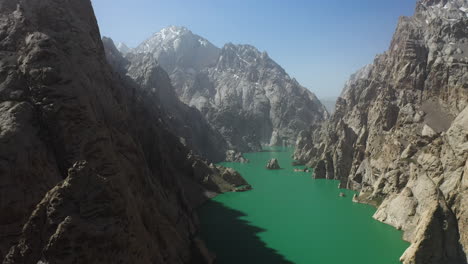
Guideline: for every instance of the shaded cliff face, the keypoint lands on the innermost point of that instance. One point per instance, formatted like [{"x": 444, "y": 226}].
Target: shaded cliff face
[
  {"x": 399, "y": 134},
  {"x": 242, "y": 92},
  {"x": 184, "y": 121},
  {"x": 89, "y": 171}
]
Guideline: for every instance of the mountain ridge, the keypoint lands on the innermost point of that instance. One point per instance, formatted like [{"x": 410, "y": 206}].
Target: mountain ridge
[{"x": 235, "y": 79}]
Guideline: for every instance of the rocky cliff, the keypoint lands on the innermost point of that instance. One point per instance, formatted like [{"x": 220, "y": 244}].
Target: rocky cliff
[
  {"x": 90, "y": 173},
  {"x": 242, "y": 92},
  {"x": 399, "y": 134}
]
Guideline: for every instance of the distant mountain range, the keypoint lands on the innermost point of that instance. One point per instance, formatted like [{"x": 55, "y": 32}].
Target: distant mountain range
[{"x": 241, "y": 91}]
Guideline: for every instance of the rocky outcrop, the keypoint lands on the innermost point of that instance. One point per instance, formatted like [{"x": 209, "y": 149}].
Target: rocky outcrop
[
  {"x": 399, "y": 134},
  {"x": 184, "y": 121},
  {"x": 242, "y": 92},
  {"x": 205, "y": 180},
  {"x": 273, "y": 165},
  {"x": 234, "y": 156},
  {"x": 89, "y": 171}
]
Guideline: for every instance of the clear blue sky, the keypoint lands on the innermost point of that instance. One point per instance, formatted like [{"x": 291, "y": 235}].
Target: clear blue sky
[{"x": 320, "y": 43}]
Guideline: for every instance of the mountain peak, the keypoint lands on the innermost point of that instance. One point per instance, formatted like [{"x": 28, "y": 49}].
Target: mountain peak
[
  {"x": 177, "y": 47},
  {"x": 123, "y": 48},
  {"x": 172, "y": 38},
  {"x": 172, "y": 32},
  {"x": 176, "y": 28}
]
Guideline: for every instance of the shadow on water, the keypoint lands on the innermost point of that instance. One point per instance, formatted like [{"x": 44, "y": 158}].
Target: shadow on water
[{"x": 233, "y": 239}]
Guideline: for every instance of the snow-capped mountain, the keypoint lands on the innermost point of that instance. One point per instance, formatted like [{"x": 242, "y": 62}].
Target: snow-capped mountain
[
  {"x": 178, "y": 48},
  {"x": 242, "y": 92}
]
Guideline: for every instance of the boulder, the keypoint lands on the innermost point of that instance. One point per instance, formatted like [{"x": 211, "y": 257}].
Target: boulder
[
  {"x": 428, "y": 131},
  {"x": 273, "y": 165}
]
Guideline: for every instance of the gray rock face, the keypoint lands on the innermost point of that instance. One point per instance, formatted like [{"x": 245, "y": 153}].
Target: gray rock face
[
  {"x": 184, "y": 121},
  {"x": 273, "y": 165},
  {"x": 233, "y": 156},
  {"x": 242, "y": 92},
  {"x": 204, "y": 181},
  {"x": 398, "y": 134},
  {"x": 89, "y": 171}
]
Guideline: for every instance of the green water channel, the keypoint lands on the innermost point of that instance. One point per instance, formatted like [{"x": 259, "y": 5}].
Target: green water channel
[{"x": 291, "y": 218}]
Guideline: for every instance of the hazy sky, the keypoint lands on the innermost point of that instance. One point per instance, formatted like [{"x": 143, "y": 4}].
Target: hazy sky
[{"x": 320, "y": 43}]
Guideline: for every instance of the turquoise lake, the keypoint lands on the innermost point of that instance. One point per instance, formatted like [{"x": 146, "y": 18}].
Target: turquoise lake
[{"x": 289, "y": 217}]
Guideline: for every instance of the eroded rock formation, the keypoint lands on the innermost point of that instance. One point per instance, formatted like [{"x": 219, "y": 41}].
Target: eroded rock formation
[{"x": 399, "y": 134}]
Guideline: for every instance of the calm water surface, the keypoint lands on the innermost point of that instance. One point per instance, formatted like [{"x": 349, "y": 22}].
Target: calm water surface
[{"x": 291, "y": 218}]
